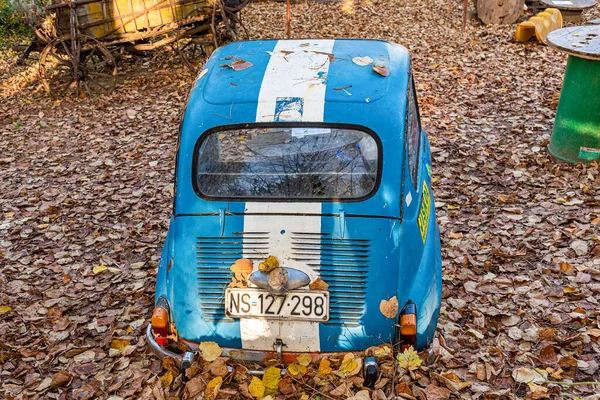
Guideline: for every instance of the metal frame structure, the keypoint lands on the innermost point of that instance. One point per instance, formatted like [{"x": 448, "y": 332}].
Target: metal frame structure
[{"x": 76, "y": 55}]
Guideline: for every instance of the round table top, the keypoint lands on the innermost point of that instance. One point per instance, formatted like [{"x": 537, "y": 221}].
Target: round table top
[
  {"x": 579, "y": 41},
  {"x": 569, "y": 4}
]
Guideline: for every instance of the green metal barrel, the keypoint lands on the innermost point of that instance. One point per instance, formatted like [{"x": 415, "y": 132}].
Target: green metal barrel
[{"x": 576, "y": 134}]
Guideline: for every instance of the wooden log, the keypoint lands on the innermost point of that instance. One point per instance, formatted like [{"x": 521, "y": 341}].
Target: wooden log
[{"x": 499, "y": 11}]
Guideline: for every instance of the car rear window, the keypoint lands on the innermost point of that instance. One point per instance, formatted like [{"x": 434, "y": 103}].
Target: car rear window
[{"x": 302, "y": 162}]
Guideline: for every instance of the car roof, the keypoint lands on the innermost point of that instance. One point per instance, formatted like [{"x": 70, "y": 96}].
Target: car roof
[{"x": 305, "y": 74}]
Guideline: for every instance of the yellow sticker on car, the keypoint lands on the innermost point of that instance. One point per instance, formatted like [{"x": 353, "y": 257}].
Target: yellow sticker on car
[{"x": 424, "y": 211}]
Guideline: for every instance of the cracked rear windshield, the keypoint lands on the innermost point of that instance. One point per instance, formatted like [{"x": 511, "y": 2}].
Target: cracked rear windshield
[{"x": 287, "y": 163}]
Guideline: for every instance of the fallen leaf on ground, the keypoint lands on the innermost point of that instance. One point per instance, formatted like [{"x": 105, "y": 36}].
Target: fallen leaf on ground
[
  {"x": 409, "y": 359},
  {"x": 210, "y": 351},
  {"x": 212, "y": 389}
]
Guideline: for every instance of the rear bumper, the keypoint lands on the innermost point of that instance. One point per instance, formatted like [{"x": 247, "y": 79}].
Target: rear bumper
[{"x": 252, "y": 356}]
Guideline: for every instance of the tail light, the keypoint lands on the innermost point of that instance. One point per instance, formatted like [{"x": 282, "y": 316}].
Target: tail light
[
  {"x": 408, "y": 326},
  {"x": 160, "y": 321}
]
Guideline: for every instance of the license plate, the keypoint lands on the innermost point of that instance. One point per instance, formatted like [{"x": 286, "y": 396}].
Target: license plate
[{"x": 303, "y": 305}]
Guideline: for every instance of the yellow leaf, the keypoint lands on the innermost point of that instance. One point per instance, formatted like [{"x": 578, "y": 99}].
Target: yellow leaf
[
  {"x": 271, "y": 377},
  {"x": 304, "y": 397},
  {"x": 129, "y": 329},
  {"x": 256, "y": 387},
  {"x": 324, "y": 367},
  {"x": 382, "y": 351},
  {"x": 304, "y": 359},
  {"x": 296, "y": 369},
  {"x": 350, "y": 365},
  {"x": 268, "y": 265},
  {"x": 210, "y": 351},
  {"x": 166, "y": 379},
  {"x": 453, "y": 207},
  {"x": 4, "y": 309},
  {"x": 409, "y": 359},
  {"x": 212, "y": 389},
  {"x": 10, "y": 214},
  {"x": 98, "y": 269},
  {"x": 120, "y": 344}
]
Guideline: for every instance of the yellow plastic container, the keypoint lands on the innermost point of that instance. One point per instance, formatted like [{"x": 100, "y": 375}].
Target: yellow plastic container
[{"x": 540, "y": 26}]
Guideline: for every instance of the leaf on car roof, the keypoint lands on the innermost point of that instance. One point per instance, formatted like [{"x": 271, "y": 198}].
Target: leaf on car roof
[
  {"x": 381, "y": 69},
  {"x": 389, "y": 308},
  {"x": 362, "y": 61},
  {"x": 210, "y": 351}
]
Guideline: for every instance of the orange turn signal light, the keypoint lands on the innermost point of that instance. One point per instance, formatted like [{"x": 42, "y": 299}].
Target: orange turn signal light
[
  {"x": 160, "y": 318},
  {"x": 408, "y": 324}
]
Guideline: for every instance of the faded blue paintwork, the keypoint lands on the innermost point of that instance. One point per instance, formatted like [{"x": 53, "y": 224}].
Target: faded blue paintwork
[{"x": 400, "y": 265}]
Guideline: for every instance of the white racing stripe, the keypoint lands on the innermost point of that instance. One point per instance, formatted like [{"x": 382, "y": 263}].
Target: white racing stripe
[
  {"x": 260, "y": 334},
  {"x": 293, "y": 87}
]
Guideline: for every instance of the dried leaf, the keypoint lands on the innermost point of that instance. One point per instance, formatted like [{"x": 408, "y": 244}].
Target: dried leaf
[
  {"x": 242, "y": 266},
  {"x": 61, "y": 378},
  {"x": 218, "y": 367},
  {"x": 271, "y": 377},
  {"x": 256, "y": 387},
  {"x": 409, "y": 359},
  {"x": 304, "y": 359},
  {"x": 210, "y": 351},
  {"x": 119, "y": 344},
  {"x": 296, "y": 369},
  {"x": 268, "y": 265},
  {"x": 362, "y": 61},
  {"x": 389, "y": 308},
  {"x": 212, "y": 389},
  {"x": 318, "y": 284},
  {"x": 98, "y": 269},
  {"x": 4, "y": 309},
  {"x": 240, "y": 65},
  {"x": 324, "y": 367},
  {"x": 166, "y": 379},
  {"x": 350, "y": 365},
  {"x": 381, "y": 70}
]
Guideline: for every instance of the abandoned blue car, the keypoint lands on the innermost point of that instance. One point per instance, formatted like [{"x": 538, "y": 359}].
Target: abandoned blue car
[{"x": 303, "y": 219}]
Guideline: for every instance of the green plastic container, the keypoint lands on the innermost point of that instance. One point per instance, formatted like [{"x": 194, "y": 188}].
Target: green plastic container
[{"x": 576, "y": 134}]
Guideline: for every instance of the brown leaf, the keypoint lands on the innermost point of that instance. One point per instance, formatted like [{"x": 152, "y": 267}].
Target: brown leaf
[
  {"x": 548, "y": 356},
  {"x": 318, "y": 284},
  {"x": 389, "y": 308},
  {"x": 61, "y": 378},
  {"x": 218, "y": 367},
  {"x": 381, "y": 69},
  {"x": 240, "y": 65},
  {"x": 286, "y": 386},
  {"x": 437, "y": 393}
]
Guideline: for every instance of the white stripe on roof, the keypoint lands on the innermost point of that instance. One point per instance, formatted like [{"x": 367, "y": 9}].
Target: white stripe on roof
[{"x": 293, "y": 87}]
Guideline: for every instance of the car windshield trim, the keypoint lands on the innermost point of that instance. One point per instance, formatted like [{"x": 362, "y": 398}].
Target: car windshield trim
[{"x": 376, "y": 169}]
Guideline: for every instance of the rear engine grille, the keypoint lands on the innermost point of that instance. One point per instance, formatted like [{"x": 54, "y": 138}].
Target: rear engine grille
[
  {"x": 214, "y": 257},
  {"x": 343, "y": 264}
]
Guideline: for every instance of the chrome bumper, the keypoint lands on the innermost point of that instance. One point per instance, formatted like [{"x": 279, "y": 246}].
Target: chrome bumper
[{"x": 253, "y": 356}]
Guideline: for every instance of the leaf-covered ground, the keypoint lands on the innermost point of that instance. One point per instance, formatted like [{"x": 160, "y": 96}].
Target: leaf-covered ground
[{"x": 86, "y": 189}]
